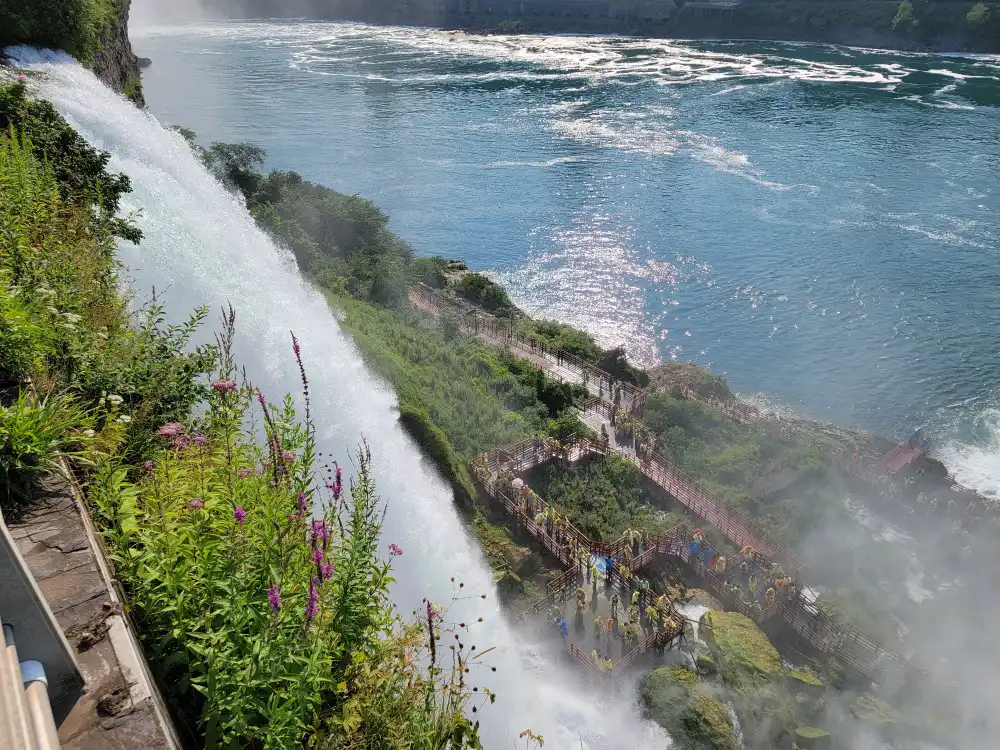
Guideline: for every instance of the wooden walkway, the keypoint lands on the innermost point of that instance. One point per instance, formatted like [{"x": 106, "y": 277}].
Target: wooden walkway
[
  {"x": 494, "y": 470},
  {"x": 557, "y": 363},
  {"x": 803, "y": 616}
]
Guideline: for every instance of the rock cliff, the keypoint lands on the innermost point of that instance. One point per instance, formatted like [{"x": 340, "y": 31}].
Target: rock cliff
[{"x": 114, "y": 62}]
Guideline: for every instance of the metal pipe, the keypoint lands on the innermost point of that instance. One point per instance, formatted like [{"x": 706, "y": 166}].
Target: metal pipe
[
  {"x": 36, "y": 691},
  {"x": 12, "y": 693},
  {"x": 6, "y": 722}
]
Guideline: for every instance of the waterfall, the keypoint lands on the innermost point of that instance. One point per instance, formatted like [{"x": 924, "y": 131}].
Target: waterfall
[{"x": 202, "y": 247}]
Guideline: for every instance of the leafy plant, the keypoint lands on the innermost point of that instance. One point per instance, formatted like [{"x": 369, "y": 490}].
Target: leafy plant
[
  {"x": 34, "y": 436},
  {"x": 80, "y": 171},
  {"x": 257, "y": 582}
]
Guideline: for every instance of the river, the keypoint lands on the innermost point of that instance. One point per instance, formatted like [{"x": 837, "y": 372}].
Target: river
[{"x": 817, "y": 223}]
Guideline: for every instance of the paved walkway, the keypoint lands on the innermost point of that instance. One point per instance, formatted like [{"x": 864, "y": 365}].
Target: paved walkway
[{"x": 118, "y": 709}]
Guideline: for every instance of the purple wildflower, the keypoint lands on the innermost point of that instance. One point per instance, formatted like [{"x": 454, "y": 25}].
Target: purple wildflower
[
  {"x": 274, "y": 597},
  {"x": 326, "y": 571},
  {"x": 148, "y": 466},
  {"x": 293, "y": 516},
  {"x": 312, "y": 602},
  {"x": 196, "y": 503},
  {"x": 431, "y": 612},
  {"x": 395, "y": 550},
  {"x": 240, "y": 515},
  {"x": 200, "y": 440},
  {"x": 244, "y": 473},
  {"x": 171, "y": 430},
  {"x": 260, "y": 399},
  {"x": 336, "y": 487},
  {"x": 320, "y": 531},
  {"x": 317, "y": 557},
  {"x": 288, "y": 456},
  {"x": 295, "y": 346},
  {"x": 224, "y": 386},
  {"x": 303, "y": 502},
  {"x": 181, "y": 442}
]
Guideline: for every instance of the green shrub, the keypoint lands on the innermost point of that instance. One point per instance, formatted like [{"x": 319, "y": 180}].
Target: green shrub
[
  {"x": 905, "y": 21},
  {"x": 79, "y": 171},
  {"x": 75, "y": 26},
  {"x": 262, "y": 602},
  {"x": 485, "y": 293},
  {"x": 35, "y": 435}
]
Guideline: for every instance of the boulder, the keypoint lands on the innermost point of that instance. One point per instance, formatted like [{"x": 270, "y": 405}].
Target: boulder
[
  {"x": 520, "y": 559},
  {"x": 746, "y": 658},
  {"x": 812, "y": 738},
  {"x": 143, "y": 62},
  {"x": 706, "y": 665},
  {"x": 688, "y": 709}
]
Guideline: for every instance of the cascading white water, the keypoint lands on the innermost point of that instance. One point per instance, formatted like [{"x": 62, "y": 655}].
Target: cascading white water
[{"x": 202, "y": 247}]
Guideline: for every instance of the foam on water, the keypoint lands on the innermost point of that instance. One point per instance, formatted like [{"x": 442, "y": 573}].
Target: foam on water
[{"x": 202, "y": 247}]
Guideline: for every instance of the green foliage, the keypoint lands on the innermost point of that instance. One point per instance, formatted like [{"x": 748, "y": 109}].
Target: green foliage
[
  {"x": 485, "y": 293},
  {"x": 262, "y": 604},
  {"x": 458, "y": 397},
  {"x": 342, "y": 241},
  {"x": 747, "y": 659},
  {"x": 79, "y": 171},
  {"x": 735, "y": 461},
  {"x": 34, "y": 436},
  {"x": 603, "y": 497},
  {"x": 686, "y": 707},
  {"x": 75, "y": 26},
  {"x": 905, "y": 20},
  {"x": 63, "y": 321},
  {"x": 978, "y": 14}
]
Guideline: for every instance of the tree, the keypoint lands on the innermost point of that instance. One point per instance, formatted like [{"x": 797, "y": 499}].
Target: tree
[
  {"x": 978, "y": 15},
  {"x": 905, "y": 21},
  {"x": 236, "y": 165}
]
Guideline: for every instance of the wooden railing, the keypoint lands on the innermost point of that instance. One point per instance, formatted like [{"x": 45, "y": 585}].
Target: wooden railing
[
  {"x": 560, "y": 363},
  {"x": 806, "y": 618}
]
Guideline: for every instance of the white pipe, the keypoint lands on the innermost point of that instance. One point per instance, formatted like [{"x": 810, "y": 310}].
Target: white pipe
[
  {"x": 12, "y": 690},
  {"x": 36, "y": 691}
]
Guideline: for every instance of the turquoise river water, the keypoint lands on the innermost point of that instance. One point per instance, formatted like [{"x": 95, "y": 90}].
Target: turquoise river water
[{"x": 817, "y": 223}]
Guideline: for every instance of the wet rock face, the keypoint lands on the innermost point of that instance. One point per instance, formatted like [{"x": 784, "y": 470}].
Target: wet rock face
[
  {"x": 114, "y": 62},
  {"x": 688, "y": 708}
]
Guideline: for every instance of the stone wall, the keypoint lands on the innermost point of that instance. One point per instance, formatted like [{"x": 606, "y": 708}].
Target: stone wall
[{"x": 114, "y": 62}]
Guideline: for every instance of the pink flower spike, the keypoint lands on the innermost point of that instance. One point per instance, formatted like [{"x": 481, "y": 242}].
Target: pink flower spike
[
  {"x": 171, "y": 430},
  {"x": 326, "y": 571},
  {"x": 244, "y": 473},
  {"x": 148, "y": 466},
  {"x": 196, "y": 504},
  {"x": 303, "y": 502},
  {"x": 288, "y": 456},
  {"x": 317, "y": 557},
  {"x": 295, "y": 346},
  {"x": 240, "y": 515},
  {"x": 395, "y": 550},
  {"x": 200, "y": 440},
  {"x": 274, "y": 597},
  {"x": 224, "y": 386}
]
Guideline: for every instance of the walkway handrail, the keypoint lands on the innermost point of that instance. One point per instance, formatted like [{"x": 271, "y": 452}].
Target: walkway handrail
[
  {"x": 40, "y": 655},
  {"x": 479, "y": 322},
  {"x": 807, "y": 619}
]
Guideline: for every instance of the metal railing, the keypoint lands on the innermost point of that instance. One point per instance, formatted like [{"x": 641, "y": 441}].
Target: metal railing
[
  {"x": 26, "y": 721},
  {"x": 40, "y": 659}
]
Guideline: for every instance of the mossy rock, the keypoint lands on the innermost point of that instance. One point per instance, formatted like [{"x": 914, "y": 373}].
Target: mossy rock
[
  {"x": 688, "y": 709},
  {"x": 812, "y": 738},
  {"x": 746, "y": 658},
  {"x": 870, "y": 710},
  {"x": 804, "y": 681},
  {"x": 706, "y": 664}
]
